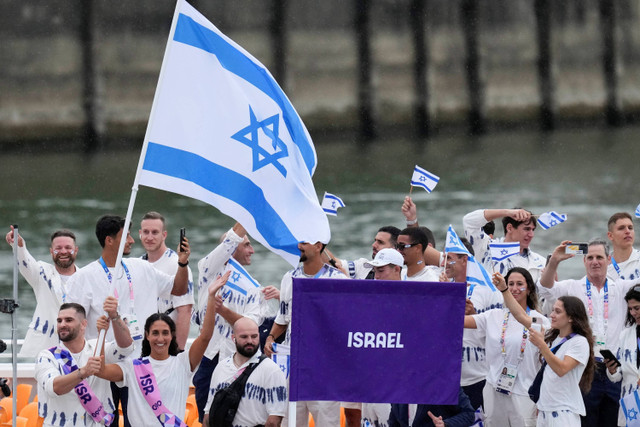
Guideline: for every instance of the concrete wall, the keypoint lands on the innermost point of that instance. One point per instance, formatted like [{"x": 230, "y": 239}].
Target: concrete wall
[{"x": 40, "y": 53}]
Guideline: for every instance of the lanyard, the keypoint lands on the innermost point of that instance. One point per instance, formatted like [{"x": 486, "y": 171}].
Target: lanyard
[
  {"x": 110, "y": 279},
  {"x": 470, "y": 290},
  {"x": 615, "y": 265},
  {"x": 523, "y": 344},
  {"x": 605, "y": 313}
]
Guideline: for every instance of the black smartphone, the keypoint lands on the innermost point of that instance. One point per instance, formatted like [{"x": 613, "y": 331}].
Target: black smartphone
[
  {"x": 577, "y": 248},
  {"x": 182, "y": 236},
  {"x": 608, "y": 355}
]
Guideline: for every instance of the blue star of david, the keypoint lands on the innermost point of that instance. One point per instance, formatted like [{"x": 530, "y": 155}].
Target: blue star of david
[
  {"x": 235, "y": 277},
  {"x": 333, "y": 204},
  {"x": 249, "y": 137},
  {"x": 553, "y": 222},
  {"x": 504, "y": 252},
  {"x": 632, "y": 414},
  {"x": 452, "y": 240},
  {"x": 423, "y": 178}
]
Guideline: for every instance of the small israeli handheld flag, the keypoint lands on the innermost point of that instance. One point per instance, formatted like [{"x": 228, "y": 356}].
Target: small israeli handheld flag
[
  {"x": 502, "y": 251},
  {"x": 638, "y": 211},
  {"x": 550, "y": 219},
  {"x": 630, "y": 405},
  {"x": 423, "y": 178},
  {"x": 331, "y": 203},
  {"x": 476, "y": 274}
]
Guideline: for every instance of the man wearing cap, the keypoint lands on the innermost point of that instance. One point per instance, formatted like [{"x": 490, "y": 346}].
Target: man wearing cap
[
  {"x": 479, "y": 299},
  {"x": 387, "y": 265},
  {"x": 325, "y": 414}
]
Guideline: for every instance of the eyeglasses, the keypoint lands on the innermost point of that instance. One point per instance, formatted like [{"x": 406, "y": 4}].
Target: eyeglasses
[{"x": 402, "y": 246}]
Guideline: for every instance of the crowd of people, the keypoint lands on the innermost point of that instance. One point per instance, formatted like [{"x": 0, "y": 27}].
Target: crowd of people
[{"x": 534, "y": 349}]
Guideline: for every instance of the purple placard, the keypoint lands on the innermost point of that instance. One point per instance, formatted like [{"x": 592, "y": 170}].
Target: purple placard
[{"x": 413, "y": 356}]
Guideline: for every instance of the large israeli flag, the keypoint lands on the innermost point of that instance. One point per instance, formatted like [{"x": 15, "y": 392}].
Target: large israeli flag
[
  {"x": 476, "y": 273},
  {"x": 222, "y": 131}
]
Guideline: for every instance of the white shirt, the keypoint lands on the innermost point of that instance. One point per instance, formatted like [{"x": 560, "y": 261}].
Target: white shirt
[
  {"x": 50, "y": 290},
  {"x": 491, "y": 322},
  {"x": 356, "y": 269},
  {"x": 90, "y": 286},
  {"x": 563, "y": 393},
  {"x": 286, "y": 293},
  {"x": 474, "y": 362},
  {"x": 265, "y": 390},
  {"x": 628, "y": 270},
  {"x": 617, "y": 305},
  {"x": 628, "y": 373},
  {"x": 59, "y": 410},
  {"x": 473, "y": 223},
  {"x": 173, "y": 376},
  {"x": 240, "y": 294},
  {"x": 168, "y": 264},
  {"x": 430, "y": 273}
]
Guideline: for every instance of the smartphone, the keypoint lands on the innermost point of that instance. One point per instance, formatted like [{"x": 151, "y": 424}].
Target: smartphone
[
  {"x": 577, "y": 248},
  {"x": 535, "y": 324},
  {"x": 182, "y": 236},
  {"x": 608, "y": 355}
]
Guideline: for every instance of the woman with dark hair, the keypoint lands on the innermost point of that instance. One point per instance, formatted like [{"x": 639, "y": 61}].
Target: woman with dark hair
[
  {"x": 159, "y": 381},
  {"x": 627, "y": 354},
  {"x": 513, "y": 361},
  {"x": 567, "y": 349}
]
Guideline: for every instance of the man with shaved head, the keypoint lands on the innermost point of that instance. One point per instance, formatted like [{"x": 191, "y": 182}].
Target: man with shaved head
[{"x": 267, "y": 402}]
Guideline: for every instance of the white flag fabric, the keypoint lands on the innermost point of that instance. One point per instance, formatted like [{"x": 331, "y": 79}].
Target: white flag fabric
[
  {"x": 476, "y": 274},
  {"x": 630, "y": 405},
  {"x": 502, "y": 251},
  {"x": 638, "y": 211},
  {"x": 550, "y": 219},
  {"x": 223, "y": 132},
  {"x": 424, "y": 179},
  {"x": 331, "y": 203}
]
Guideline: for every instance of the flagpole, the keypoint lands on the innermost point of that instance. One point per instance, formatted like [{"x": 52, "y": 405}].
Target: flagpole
[
  {"x": 143, "y": 152},
  {"x": 14, "y": 330},
  {"x": 410, "y": 189}
]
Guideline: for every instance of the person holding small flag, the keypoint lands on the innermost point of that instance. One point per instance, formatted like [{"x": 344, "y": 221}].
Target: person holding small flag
[
  {"x": 519, "y": 226},
  {"x": 628, "y": 373}
]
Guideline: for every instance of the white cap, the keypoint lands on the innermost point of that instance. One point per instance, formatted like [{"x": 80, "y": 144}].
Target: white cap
[{"x": 386, "y": 256}]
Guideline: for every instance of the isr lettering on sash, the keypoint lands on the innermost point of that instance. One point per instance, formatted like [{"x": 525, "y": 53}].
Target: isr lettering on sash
[{"x": 373, "y": 340}]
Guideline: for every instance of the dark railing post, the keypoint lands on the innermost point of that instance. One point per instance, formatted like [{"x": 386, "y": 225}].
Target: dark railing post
[
  {"x": 542, "y": 10},
  {"x": 365, "y": 84},
  {"x": 279, "y": 40},
  {"x": 610, "y": 61},
  {"x": 421, "y": 102},
  {"x": 472, "y": 65},
  {"x": 94, "y": 125}
]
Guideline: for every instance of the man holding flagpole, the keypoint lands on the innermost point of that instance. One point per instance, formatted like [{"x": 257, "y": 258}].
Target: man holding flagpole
[{"x": 519, "y": 226}]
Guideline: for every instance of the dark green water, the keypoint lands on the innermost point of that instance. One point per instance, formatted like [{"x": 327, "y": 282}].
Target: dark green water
[{"x": 587, "y": 174}]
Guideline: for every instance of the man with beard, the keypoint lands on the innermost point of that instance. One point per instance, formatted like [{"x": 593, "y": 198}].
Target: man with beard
[
  {"x": 325, "y": 413},
  {"x": 49, "y": 286},
  {"x": 68, "y": 391},
  {"x": 153, "y": 235},
  {"x": 266, "y": 403}
]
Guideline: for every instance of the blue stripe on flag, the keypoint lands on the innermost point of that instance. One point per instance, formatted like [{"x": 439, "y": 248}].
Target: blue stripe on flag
[
  {"x": 244, "y": 272},
  {"x": 236, "y": 287},
  {"x": 191, "y": 33},
  {"x": 229, "y": 184}
]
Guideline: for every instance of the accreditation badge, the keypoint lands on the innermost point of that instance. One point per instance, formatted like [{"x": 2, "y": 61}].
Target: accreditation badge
[
  {"x": 507, "y": 378},
  {"x": 599, "y": 344},
  {"x": 134, "y": 327}
]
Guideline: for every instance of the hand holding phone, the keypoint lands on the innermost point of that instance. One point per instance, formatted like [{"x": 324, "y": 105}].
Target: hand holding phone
[
  {"x": 182, "y": 236},
  {"x": 608, "y": 355}
]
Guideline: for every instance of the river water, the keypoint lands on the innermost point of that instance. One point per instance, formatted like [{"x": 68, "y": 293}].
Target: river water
[{"x": 586, "y": 174}]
